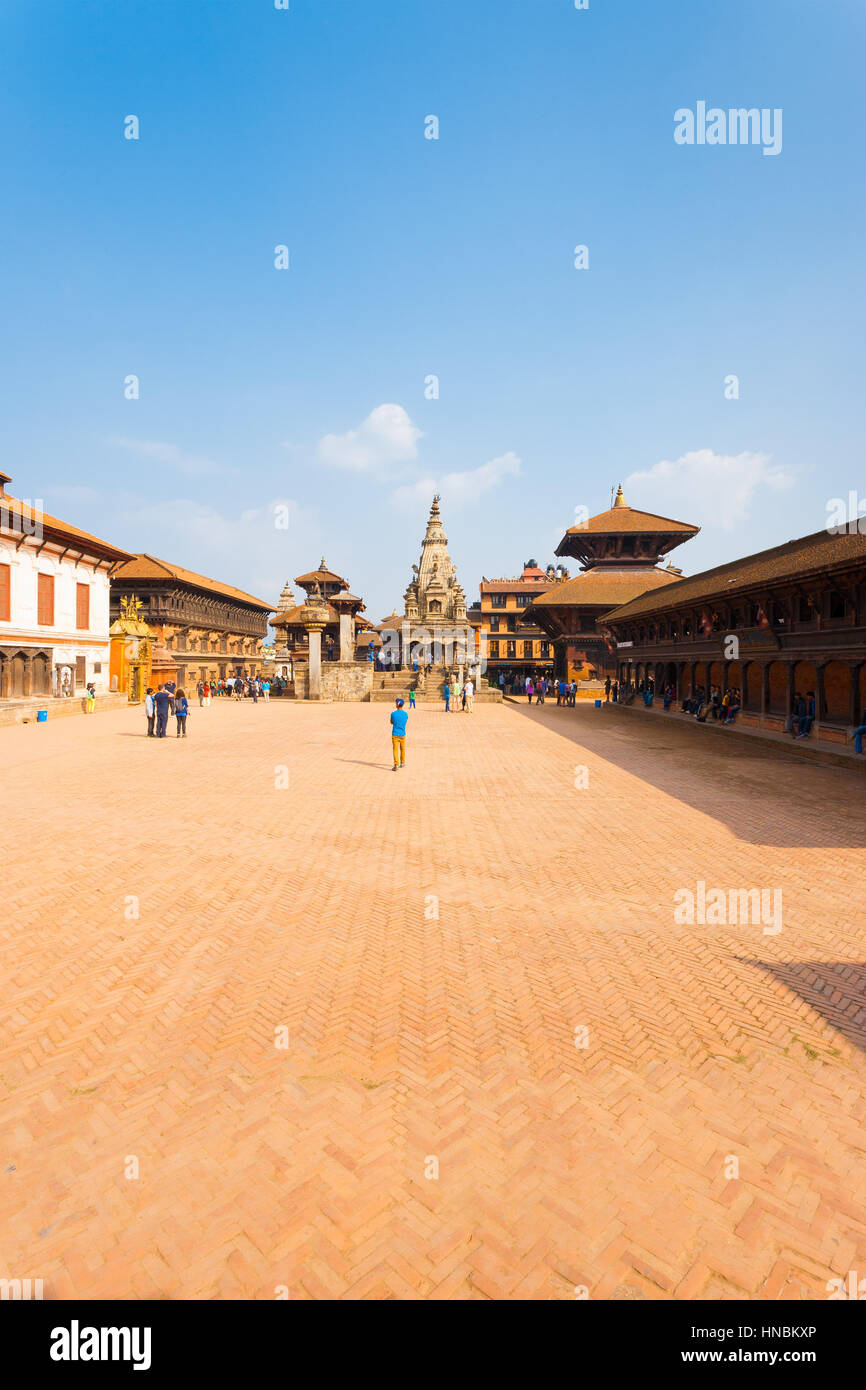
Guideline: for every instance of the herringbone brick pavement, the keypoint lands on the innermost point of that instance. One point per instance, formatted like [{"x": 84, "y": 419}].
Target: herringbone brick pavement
[{"x": 431, "y": 941}]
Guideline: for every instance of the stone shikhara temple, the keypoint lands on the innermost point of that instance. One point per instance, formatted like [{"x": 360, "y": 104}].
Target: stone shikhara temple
[
  {"x": 434, "y": 617},
  {"x": 326, "y": 651}
]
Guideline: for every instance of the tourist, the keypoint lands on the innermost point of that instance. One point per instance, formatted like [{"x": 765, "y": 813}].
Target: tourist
[
  {"x": 150, "y": 711},
  {"x": 733, "y": 705},
  {"x": 399, "y": 719},
  {"x": 181, "y": 710},
  {"x": 254, "y": 690},
  {"x": 468, "y": 695},
  {"x": 530, "y": 689},
  {"x": 266, "y": 691},
  {"x": 540, "y": 691},
  {"x": 206, "y": 692},
  {"x": 446, "y": 691},
  {"x": 162, "y": 700},
  {"x": 668, "y": 696},
  {"x": 412, "y": 698},
  {"x": 572, "y": 693},
  {"x": 857, "y": 734},
  {"x": 199, "y": 690},
  {"x": 91, "y": 698},
  {"x": 614, "y": 692},
  {"x": 560, "y": 692},
  {"x": 239, "y": 688},
  {"x": 526, "y": 684},
  {"x": 607, "y": 688}
]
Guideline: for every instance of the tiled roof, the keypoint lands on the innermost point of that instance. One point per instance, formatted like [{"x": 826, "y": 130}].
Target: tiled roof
[
  {"x": 394, "y": 620},
  {"x": 794, "y": 559},
  {"x": 519, "y": 586},
  {"x": 626, "y": 520},
  {"x": 145, "y": 566},
  {"x": 60, "y": 530},
  {"x": 322, "y": 574},
  {"x": 601, "y": 585},
  {"x": 293, "y": 616}
]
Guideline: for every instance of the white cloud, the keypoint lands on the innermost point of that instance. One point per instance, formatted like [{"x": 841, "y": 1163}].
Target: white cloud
[
  {"x": 387, "y": 437},
  {"x": 249, "y": 550},
  {"x": 191, "y": 465},
  {"x": 709, "y": 489},
  {"x": 457, "y": 488}
]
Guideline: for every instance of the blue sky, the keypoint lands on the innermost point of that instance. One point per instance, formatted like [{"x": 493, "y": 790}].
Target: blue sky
[{"x": 411, "y": 257}]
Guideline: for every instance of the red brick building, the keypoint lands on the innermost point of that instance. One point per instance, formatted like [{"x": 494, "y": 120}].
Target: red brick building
[{"x": 790, "y": 619}]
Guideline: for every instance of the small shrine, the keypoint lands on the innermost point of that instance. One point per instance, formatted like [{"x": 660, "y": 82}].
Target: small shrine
[
  {"x": 320, "y": 642},
  {"x": 131, "y": 651}
]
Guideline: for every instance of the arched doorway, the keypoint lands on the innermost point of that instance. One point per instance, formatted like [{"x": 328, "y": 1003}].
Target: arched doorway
[
  {"x": 18, "y": 669},
  {"x": 778, "y": 699},
  {"x": 717, "y": 675},
  {"x": 752, "y": 690},
  {"x": 805, "y": 677},
  {"x": 837, "y": 692},
  {"x": 41, "y": 675}
]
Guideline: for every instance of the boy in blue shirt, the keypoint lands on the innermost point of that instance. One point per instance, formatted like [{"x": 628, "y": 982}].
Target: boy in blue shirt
[{"x": 399, "y": 720}]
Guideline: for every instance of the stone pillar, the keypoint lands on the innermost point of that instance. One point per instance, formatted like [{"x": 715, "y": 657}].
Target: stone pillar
[
  {"x": 765, "y": 691},
  {"x": 347, "y": 646},
  {"x": 314, "y": 679},
  {"x": 406, "y": 645}
]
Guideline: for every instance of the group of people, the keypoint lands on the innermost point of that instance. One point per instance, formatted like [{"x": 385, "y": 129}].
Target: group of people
[
  {"x": 234, "y": 687},
  {"x": 723, "y": 706},
  {"x": 540, "y": 688},
  {"x": 167, "y": 700},
  {"x": 162, "y": 702},
  {"x": 456, "y": 697}
]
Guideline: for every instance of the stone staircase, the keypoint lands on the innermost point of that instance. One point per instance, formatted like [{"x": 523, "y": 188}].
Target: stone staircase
[{"x": 389, "y": 686}]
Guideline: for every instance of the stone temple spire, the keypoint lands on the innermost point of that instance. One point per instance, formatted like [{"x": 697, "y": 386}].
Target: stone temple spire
[{"x": 434, "y": 595}]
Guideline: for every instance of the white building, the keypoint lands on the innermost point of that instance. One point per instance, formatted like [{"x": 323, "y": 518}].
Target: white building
[{"x": 54, "y": 588}]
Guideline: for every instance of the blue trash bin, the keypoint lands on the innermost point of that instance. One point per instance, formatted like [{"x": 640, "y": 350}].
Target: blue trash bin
[
  {"x": 41, "y": 716},
  {"x": 598, "y": 704}
]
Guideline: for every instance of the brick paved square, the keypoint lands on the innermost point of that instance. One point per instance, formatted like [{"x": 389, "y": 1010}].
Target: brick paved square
[{"x": 433, "y": 942}]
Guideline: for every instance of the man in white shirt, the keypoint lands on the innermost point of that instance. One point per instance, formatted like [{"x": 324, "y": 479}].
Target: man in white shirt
[
  {"x": 469, "y": 692},
  {"x": 150, "y": 711}
]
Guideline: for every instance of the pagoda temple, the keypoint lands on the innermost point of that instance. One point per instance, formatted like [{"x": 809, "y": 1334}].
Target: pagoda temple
[{"x": 620, "y": 553}]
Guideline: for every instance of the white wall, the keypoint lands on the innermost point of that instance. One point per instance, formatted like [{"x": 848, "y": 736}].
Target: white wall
[{"x": 67, "y": 642}]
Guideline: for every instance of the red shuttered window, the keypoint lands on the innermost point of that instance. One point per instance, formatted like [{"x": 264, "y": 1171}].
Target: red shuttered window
[
  {"x": 5, "y": 593},
  {"x": 45, "y": 607},
  {"x": 82, "y": 607}
]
